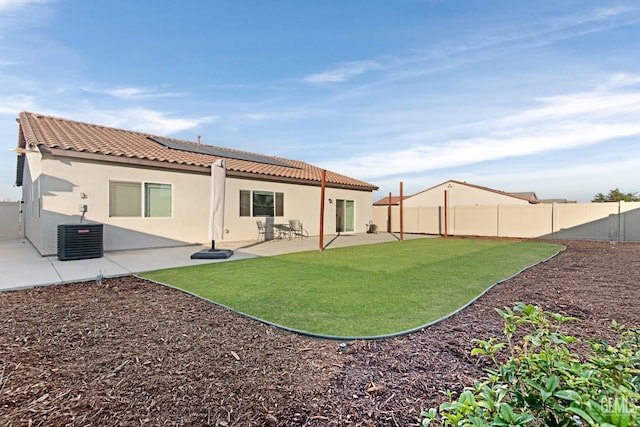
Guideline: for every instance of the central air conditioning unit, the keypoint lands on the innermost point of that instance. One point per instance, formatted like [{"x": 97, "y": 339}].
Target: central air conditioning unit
[{"x": 79, "y": 241}]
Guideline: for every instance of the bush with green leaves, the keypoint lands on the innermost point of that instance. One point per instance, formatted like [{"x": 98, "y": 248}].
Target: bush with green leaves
[{"x": 544, "y": 383}]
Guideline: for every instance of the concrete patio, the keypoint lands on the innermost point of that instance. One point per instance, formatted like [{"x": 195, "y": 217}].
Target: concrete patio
[{"x": 22, "y": 266}]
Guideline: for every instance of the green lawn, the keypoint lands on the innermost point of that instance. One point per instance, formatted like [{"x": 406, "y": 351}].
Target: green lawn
[{"x": 361, "y": 290}]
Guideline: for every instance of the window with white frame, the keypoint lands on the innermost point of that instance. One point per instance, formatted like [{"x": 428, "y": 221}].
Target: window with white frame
[
  {"x": 137, "y": 199},
  {"x": 261, "y": 203}
]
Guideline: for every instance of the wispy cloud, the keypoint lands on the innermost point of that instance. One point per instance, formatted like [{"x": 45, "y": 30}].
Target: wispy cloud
[
  {"x": 474, "y": 47},
  {"x": 12, "y": 5},
  {"x": 12, "y": 105},
  {"x": 555, "y": 123},
  {"x": 620, "y": 80},
  {"x": 158, "y": 122},
  {"x": 343, "y": 72},
  {"x": 137, "y": 118},
  {"x": 594, "y": 15},
  {"x": 141, "y": 120},
  {"x": 22, "y": 13},
  {"x": 132, "y": 92}
]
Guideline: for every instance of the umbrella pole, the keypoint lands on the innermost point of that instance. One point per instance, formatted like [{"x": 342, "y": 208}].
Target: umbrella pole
[{"x": 213, "y": 245}]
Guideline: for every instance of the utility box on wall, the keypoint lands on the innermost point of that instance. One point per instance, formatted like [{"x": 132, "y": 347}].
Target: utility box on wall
[{"x": 80, "y": 241}]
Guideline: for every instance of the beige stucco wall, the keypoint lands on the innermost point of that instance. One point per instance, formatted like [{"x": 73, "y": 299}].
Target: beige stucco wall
[
  {"x": 473, "y": 220},
  {"x": 459, "y": 194},
  {"x": 63, "y": 183},
  {"x": 587, "y": 221},
  {"x": 301, "y": 202},
  {"x": 427, "y": 219},
  {"x": 525, "y": 221}
]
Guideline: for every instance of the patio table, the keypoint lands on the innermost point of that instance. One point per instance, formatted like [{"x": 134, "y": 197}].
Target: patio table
[{"x": 281, "y": 231}]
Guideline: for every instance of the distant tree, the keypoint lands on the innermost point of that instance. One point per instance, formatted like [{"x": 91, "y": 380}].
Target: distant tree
[{"x": 616, "y": 195}]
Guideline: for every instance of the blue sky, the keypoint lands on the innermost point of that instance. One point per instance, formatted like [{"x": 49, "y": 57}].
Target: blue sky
[{"x": 515, "y": 95}]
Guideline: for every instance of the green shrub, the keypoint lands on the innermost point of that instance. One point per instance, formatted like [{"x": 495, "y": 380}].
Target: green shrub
[{"x": 544, "y": 383}]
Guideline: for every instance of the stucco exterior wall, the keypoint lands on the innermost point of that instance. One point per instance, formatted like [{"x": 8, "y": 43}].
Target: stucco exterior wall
[
  {"x": 65, "y": 184},
  {"x": 459, "y": 195}
]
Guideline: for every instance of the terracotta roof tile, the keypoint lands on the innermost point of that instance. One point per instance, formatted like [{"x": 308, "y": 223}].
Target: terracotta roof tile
[
  {"x": 395, "y": 200},
  {"x": 76, "y": 137}
]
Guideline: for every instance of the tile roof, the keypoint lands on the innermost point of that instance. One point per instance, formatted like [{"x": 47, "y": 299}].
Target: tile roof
[
  {"x": 69, "y": 138},
  {"x": 395, "y": 200},
  {"x": 526, "y": 194}
]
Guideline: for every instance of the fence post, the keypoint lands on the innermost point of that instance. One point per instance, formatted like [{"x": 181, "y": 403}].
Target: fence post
[
  {"x": 553, "y": 221},
  {"x": 620, "y": 224}
]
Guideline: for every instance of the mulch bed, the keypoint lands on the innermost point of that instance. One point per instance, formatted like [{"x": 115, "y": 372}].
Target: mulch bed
[{"x": 130, "y": 352}]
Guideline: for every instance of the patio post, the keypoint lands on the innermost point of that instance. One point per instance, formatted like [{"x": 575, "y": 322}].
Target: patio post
[
  {"x": 322, "y": 191},
  {"x": 389, "y": 228},
  {"x": 401, "y": 215}
]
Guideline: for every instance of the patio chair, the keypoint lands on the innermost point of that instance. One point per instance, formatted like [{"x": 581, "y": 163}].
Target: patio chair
[
  {"x": 261, "y": 231},
  {"x": 296, "y": 230}
]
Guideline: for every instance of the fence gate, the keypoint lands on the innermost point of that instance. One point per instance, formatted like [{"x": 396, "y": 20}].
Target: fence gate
[{"x": 11, "y": 220}]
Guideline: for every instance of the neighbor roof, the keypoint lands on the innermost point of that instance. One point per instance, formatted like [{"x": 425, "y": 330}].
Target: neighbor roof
[
  {"x": 520, "y": 196},
  {"x": 395, "y": 200},
  {"x": 526, "y": 194},
  {"x": 67, "y": 138}
]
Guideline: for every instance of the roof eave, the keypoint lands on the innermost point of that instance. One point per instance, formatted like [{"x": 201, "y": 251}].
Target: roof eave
[{"x": 135, "y": 161}]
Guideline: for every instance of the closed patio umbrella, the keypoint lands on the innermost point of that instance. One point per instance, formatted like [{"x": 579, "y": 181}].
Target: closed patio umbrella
[{"x": 216, "y": 213}]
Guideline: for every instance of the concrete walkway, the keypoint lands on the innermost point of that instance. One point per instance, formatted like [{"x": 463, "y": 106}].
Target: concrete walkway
[{"x": 21, "y": 266}]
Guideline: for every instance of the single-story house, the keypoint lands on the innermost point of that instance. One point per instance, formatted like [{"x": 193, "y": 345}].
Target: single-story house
[
  {"x": 153, "y": 191},
  {"x": 460, "y": 193}
]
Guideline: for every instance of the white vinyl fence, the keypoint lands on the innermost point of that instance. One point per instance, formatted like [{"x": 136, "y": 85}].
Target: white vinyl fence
[
  {"x": 618, "y": 222},
  {"x": 10, "y": 220}
]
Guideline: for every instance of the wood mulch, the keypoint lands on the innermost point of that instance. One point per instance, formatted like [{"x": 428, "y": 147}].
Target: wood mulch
[{"x": 131, "y": 352}]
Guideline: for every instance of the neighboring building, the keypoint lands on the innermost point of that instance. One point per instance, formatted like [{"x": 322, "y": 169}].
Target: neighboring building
[
  {"x": 566, "y": 201},
  {"x": 531, "y": 195},
  {"x": 395, "y": 201},
  {"x": 460, "y": 193},
  {"x": 152, "y": 191}
]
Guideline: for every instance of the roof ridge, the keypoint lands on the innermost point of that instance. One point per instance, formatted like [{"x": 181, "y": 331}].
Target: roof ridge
[
  {"x": 479, "y": 187},
  {"x": 147, "y": 134},
  {"x": 505, "y": 193},
  {"x": 74, "y": 138},
  {"x": 94, "y": 125}
]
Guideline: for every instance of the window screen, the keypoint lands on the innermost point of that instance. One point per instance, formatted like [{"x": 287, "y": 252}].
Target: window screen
[
  {"x": 245, "y": 203},
  {"x": 125, "y": 199},
  {"x": 157, "y": 200},
  {"x": 261, "y": 203}
]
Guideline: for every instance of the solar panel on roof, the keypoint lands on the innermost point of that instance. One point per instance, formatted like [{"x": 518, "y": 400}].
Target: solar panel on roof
[{"x": 219, "y": 152}]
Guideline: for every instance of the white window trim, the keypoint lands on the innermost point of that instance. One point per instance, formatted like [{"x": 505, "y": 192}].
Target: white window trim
[{"x": 142, "y": 199}]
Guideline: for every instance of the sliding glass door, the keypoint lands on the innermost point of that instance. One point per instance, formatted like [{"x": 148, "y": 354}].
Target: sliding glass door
[{"x": 345, "y": 216}]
